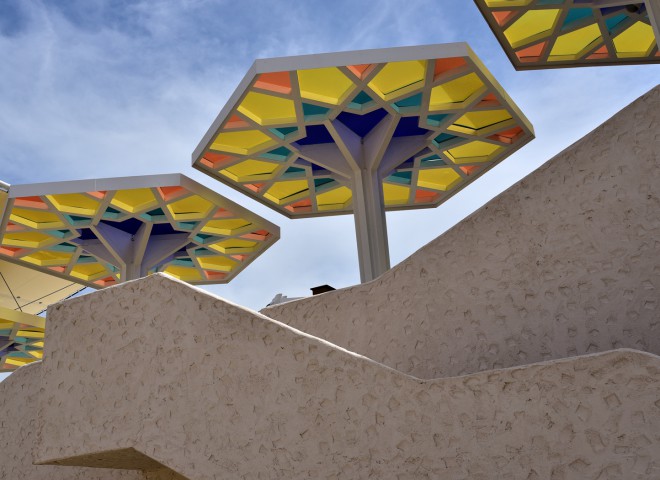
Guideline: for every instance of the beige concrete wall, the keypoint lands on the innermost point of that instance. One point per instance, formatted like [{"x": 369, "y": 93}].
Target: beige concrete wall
[
  {"x": 215, "y": 391},
  {"x": 18, "y": 434},
  {"x": 564, "y": 263}
]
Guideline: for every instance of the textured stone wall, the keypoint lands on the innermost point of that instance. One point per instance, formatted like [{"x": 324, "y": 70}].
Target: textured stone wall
[
  {"x": 18, "y": 434},
  {"x": 215, "y": 391},
  {"x": 564, "y": 263}
]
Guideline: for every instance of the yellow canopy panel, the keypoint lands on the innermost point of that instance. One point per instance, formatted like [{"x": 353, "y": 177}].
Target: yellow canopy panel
[{"x": 552, "y": 33}]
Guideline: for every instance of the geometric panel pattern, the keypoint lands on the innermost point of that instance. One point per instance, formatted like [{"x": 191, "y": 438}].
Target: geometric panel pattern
[
  {"x": 564, "y": 33},
  {"x": 101, "y": 232},
  {"x": 288, "y": 135},
  {"x": 21, "y": 339}
]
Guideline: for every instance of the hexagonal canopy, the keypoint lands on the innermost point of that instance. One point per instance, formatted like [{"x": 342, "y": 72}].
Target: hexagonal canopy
[
  {"x": 361, "y": 131},
  {"x": 101, "y": 232},
  {"x": 572, "y": 33},
  {"x": 21, "y": 339}
]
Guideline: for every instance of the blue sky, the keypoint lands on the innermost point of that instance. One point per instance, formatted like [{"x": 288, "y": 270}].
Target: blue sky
[{"x": 103, "y": 88}]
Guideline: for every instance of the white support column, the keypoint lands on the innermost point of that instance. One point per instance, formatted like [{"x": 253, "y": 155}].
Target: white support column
[
  {"x": 135, "y": 252},
  {"x": 362, "y": 157},
  {"x": 366, "y": 158},
  {"x": 161, "y": 247},
  {"x": 370, "y": 225},
  {"x": 134, "y": 269}
]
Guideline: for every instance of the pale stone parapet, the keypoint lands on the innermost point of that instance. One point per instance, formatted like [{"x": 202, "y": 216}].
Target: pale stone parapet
[{"x": 213, "y": 390}]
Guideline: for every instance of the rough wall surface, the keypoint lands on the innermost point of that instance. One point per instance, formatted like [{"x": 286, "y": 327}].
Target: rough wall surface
[
  {"x": 18, "y": 434},
  {"x": 564, "y": 263},
  {"x": 215, "y": 391}
]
